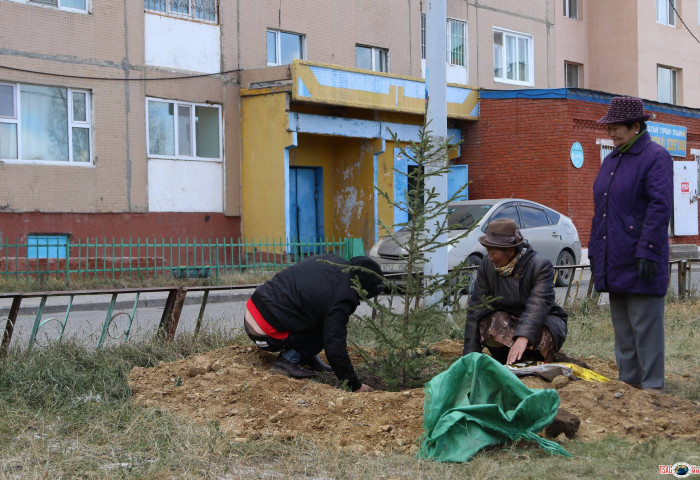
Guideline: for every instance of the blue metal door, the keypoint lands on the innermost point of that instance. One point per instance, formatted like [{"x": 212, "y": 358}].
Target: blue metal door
[
  {"x": 456, "y": 179},
  {"x": 305, "y": 204}
]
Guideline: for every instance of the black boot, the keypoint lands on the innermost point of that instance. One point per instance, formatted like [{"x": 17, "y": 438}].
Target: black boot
[
  {"x": 315, "y": 363},
  {"x": 290, "y": 369}
]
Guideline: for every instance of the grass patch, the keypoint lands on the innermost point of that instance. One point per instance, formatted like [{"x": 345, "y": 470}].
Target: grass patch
[{"x": 65, "y": 412}]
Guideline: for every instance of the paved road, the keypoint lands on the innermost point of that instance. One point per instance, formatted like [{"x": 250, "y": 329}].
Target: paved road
[{"x": 224, "y": 310}]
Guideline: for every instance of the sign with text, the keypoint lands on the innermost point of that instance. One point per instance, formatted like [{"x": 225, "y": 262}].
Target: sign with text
[{"x": 671, "y": 137}]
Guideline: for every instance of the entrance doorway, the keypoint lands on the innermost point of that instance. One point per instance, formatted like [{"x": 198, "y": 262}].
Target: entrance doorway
[{"x": 306, "y": 205}]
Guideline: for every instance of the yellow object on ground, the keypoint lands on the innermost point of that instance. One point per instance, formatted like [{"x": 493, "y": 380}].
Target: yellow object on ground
[
  {"x": 584, "y": 373},
  {"x": 549, "y": 371}
]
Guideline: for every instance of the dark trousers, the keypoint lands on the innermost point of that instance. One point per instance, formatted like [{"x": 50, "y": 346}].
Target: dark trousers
[
  {"x": 307, "y": 344},
  {"x": 638, "y": 321}
]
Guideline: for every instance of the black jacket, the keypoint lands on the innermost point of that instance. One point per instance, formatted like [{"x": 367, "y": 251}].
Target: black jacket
[
  {"x": 314, "y": 296},
  {"x": 528, "y": 293}
]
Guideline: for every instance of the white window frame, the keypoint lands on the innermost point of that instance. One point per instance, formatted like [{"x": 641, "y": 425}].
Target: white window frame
[
  {"x": 193, "y": 131},
  {"x": 530, "y": 57},
  {"x": 375, "y": 52},
  {"x": 578, "y": 74},
  {"x": 187, "y": 16},
  {"x": 674, "y": 84},
  {"x": 278, "y": 58},
  {"x": 606, "y": 147},
  {"x": 87, "y": 124},
  {"x": 55, "y": 4},
  {"x": 571, "y": 9},
  {"x": 448, "y": 42},
  {"x": 665, "y": 13}
]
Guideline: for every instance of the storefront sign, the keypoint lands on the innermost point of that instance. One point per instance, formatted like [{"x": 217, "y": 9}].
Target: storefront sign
[
  {"x": 577, "y": 155},
  {"x": 671, "y": 137}
]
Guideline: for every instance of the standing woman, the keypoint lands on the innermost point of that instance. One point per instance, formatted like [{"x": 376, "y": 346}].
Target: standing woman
[{"x": 628, "y": 247}]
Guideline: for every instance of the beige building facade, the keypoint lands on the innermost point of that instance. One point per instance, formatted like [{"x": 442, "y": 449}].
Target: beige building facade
[
  {"x": 126, "y": 118},
  {"x": 645, "y": 48}
]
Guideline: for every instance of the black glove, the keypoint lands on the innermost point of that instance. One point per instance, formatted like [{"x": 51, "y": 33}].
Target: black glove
[
  {"x": 590, "y": 263},
  {"x": 646, "y": 269}
]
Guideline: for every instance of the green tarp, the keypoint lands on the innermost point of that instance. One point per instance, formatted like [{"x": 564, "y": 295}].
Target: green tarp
[{"x": 478, "y": 403}]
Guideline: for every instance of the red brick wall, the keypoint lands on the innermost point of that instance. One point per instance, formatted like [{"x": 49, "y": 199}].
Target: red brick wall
[
  {"x": 120, "y": 225},
  {"x": 520, "y": 148}
]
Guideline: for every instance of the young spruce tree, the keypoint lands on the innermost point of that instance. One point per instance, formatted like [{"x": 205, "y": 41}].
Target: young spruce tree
[{"x": 414, "y": 314}]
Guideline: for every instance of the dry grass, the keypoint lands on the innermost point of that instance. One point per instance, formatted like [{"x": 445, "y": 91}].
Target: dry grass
[
  {"x": 51, "y": 283},
  {"x": 66, "y": 413}
]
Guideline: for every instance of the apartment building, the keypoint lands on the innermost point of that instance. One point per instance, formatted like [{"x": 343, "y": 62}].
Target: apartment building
[{"x": 228, "y": 118}]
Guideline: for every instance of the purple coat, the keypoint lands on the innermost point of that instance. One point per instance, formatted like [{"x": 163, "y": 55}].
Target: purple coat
[{"x": 633, "y": 196}]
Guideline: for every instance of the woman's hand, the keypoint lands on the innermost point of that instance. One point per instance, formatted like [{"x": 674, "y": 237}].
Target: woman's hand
[{"x": 516, "y": 351}]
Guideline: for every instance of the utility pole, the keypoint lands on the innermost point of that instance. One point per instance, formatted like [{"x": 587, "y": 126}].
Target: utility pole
[{"x": 436, "y": 85}]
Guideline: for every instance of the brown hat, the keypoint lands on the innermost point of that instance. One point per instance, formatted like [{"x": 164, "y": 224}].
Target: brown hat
[
  {"x": 502, "y": 233},
  {"x": 625, "y": 109}
]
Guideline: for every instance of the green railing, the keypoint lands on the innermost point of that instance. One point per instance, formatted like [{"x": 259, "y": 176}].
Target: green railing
[{"x": 62, "y": 258}]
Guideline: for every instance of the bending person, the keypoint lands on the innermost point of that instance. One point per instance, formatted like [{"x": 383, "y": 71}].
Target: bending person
[
  {"x": 305, "y": 308},
  {"x": 523, "y": 321}
]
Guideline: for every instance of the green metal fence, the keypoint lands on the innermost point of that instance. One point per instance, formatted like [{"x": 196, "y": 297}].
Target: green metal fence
[{"x": 62, "y": 258}]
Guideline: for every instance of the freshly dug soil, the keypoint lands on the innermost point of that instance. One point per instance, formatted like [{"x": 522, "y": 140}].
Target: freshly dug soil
[{"x": 234, "y": 386}]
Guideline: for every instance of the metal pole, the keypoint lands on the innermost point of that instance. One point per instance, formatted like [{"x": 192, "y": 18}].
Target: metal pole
[{"x": 436, "y": 116}]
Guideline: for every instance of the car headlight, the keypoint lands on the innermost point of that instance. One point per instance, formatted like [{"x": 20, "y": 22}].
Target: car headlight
[{"x": 374, "y": 251}]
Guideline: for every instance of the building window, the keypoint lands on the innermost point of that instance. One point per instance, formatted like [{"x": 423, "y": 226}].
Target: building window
[
  {"x": 572, "y": 75},
  {"x": 47, "y": 246},
  {"x": 372, "y": 58},
  {"x": 422, "y": 36},
  {"x": 203, "y": 10},
  {"x": 283, "y": 47},
  {"x": 571, "y": 8},
  {"x": 667, "y": 85},
  {"x": 512, "y": 57},
  {"x": 78, "y": 5},
  {"x": 456, "y": 42},
  {"x": 47, "y": 124},
  {"x": 665, "y": 12},
  {"x": 183, "y": 130},
  {"x": 606, "y": 147}
]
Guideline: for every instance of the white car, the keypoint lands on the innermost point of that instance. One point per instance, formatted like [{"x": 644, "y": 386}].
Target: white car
[{"x": 552, "y": 234}]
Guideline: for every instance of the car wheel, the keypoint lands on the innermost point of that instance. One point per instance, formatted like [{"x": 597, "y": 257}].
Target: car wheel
[
  {"x": 564, "y": 274},
  {"x": 473, "y": 260}
]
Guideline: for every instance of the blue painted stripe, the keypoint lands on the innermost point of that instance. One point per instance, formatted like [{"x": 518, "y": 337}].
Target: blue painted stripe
[
  {"x": 378, "y": 84},
  {"x": 368, "y": 83},
  {"x": 591, "y": 96},
  {"x": 457, "y": 95},
  {"x": 352, "y": 127},
  {"x": 303, "y": 91}
]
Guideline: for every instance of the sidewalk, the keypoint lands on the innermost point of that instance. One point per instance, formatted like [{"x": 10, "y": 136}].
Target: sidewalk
[{"x": 101, "y": 302}]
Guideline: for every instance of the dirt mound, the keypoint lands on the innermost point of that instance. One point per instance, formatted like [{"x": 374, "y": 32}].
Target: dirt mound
[{"x": 234, "y": 386}]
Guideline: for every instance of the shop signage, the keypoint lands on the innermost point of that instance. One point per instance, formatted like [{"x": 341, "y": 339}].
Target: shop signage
[
  {"x": 577, "y": 155},
  {"x": 671, "y": 137}
]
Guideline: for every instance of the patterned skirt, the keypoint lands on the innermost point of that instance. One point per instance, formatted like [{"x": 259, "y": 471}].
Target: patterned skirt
[{"x": 499, "y": 326}]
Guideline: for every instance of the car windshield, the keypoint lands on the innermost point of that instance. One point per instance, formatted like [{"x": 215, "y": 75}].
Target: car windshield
[{"x": 462, "y": 217}]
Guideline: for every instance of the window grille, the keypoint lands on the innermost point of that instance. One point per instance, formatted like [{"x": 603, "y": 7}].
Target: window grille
[{"x": 203, "y": 10}]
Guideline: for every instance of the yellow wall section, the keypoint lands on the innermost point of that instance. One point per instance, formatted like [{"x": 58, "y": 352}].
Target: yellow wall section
[
  {"x": 348, "y": 176},
  {"x": 264, "y": 138},
  {"x": 385, "y": 182}
]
